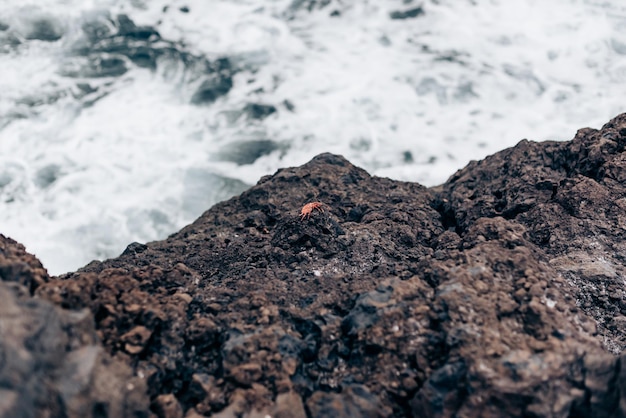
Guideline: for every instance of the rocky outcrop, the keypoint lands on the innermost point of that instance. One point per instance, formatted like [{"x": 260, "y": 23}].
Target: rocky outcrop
[
  {"x": 51, "y": 363},
  {"x": 16, "y": 265},
  {"x": 571, "y": 199},
  {"x": 497, "y": 294}
]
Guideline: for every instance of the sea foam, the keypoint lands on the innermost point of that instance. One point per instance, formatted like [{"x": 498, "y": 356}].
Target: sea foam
[{"x": 92, "y": 162}]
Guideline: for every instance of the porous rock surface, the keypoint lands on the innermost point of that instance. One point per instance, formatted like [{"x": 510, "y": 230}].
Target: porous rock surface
[
  {"x": 51, "y": 362},
  {"x": 498, "y": 294}
]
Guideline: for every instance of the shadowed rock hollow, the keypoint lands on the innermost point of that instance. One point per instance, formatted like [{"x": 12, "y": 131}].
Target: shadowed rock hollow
[{"x": 500, "y": 293}]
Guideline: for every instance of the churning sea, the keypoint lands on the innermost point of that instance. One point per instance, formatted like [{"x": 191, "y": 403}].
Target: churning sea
[{"x": 124, "y": 120}]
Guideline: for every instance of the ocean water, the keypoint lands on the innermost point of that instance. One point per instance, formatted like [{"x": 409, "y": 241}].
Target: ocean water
[{"x": 124, "y": 120}]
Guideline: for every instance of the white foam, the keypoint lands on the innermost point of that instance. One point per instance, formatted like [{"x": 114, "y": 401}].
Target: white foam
[{"x": 458, "y": 83}]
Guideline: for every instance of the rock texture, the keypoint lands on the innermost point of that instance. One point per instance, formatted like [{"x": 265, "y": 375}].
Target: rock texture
[
  {"x": 51, "y": 363},
  {"x": 498, "y": 294}
]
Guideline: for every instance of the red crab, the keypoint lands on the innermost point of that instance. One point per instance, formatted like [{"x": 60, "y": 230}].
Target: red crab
[{"x": 307, "y": 209}]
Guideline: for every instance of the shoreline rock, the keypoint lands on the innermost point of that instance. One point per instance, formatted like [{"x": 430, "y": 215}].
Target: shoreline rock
[
  {"x": 51, "y": 362},
  {"x": 497, "y": 294}
]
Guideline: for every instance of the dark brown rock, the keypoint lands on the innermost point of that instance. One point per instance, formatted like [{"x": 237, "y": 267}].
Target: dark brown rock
[
  {"x": 167, "y": 406},
  {"x": 16, "y": 265},
  {"x": 571, "y": 198},
  {"x": 136, "y": 339},
  {"x": 497, "y": 294},
  {"x": 289, "y": 405},
  {"x": 51, "y": 363}
]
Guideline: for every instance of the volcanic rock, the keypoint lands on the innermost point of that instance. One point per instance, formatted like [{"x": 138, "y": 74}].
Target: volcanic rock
[
  {"x": 16, "y": 265},
  {"x": 51, "y": 363},
  {"x": 497, "y": 294}
]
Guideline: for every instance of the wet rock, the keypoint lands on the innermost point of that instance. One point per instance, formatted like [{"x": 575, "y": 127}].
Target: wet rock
[
  {"x": 496, "y": 294},
  {"x": 96, "y": 67},
  {"x": 407, "y": 14},
  {"x": 365, "y": 311},
  {"x": 212, "y": 89},
  {"x": 258, "y": 110},
  {"x": 47, "y": 175},
  {"x": 120, "y": 38},
  {"x": 442, "y": 393},
  {"x": 127, "y": 28},
  {"x": 247, "y": 152},
  {"x": 308, "y": 5}
]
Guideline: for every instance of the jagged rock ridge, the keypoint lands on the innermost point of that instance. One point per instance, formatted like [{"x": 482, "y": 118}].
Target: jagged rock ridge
[{"x": 499, "y": 293}]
